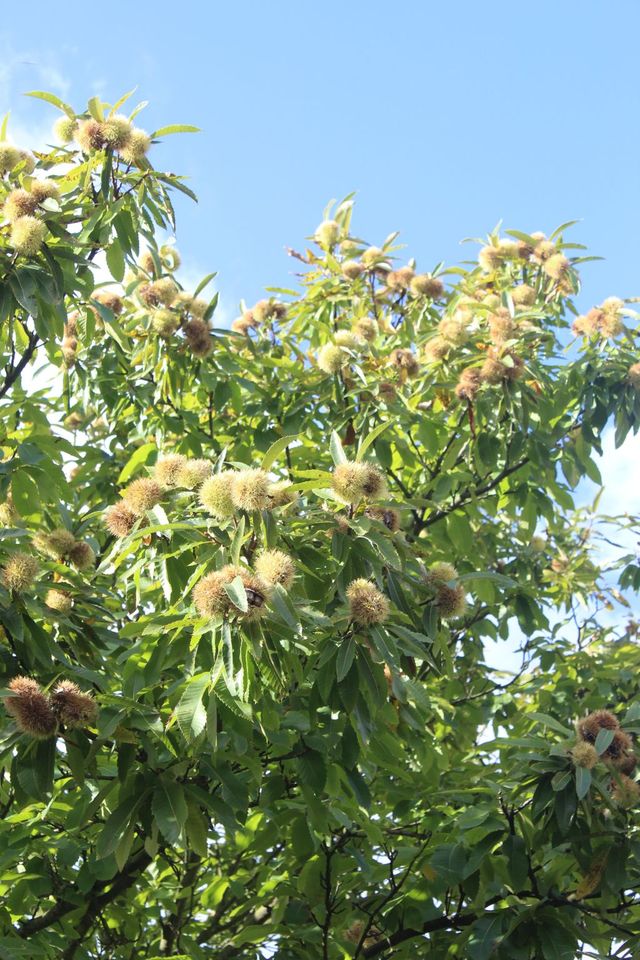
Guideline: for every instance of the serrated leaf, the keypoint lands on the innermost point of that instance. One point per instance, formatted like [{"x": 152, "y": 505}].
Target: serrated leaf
[
  {"x": 190, "y": 712},
  {"x": 279, "y": 602}
]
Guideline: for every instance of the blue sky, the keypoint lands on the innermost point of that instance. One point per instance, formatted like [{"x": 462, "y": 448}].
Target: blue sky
[{"x": 444, "y": 121}]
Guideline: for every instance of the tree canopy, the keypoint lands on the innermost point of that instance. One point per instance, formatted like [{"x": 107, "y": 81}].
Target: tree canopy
[{"x": 247, "y": 577}]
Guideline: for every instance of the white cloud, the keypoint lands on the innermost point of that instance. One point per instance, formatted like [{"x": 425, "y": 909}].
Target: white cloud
[{"x": 25, "y": 70}]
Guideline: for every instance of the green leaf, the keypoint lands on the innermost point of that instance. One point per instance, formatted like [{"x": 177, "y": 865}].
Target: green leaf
[
  {"x": 346, "y": 653},
  {"x": 237, "y": 594},
  {"x": 560, "y": 780},
  {"x": 485, "y": 936},
  {"x": 137, "y": 458},
  {"x": 550, "y": 722},
  {"x": 583, "y": 782},
  {"x": 190, "y": 712},
  {"x": 276, "y": 449},
  {"x": 113, "y": 329},
  {"x": 169, "y": 808},
  {"x": 449, "y": 861},
  {"x": 498, "y": 578},
  {"x": 203, "y": 283},
  {"x": 116, "y": 825},
  {"x": 236, "y": 543},
  {"x": 95, "y": 109},
  {"x": 24, "y": 286},
  {"x": 51, "y": 98},
  {"x": 561, "y": 229},
  {"x": 281, "y": 603},
  {"x": 337, "y": 451},
  {"x": 115, "y": 260},
  {"x": 515, "y": 850},
  {"x": 603, "y": 740},
  {"x": 557, "y": 942},
  {"x": 26, "y": 493},
  {"x": 123, "y": 99},
  {"x": 196, "y": 828},
  {"x": 370, "y": 438},
  {"x": 174, "y": 128},
  {"x": 312, "y": 769}
]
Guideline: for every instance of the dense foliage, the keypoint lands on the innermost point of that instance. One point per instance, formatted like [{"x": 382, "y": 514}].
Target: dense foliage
[{"x": 248, "y": 575}]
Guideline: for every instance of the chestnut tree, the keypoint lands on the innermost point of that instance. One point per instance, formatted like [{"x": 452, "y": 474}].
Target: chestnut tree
[{"x": 248, "y": 577}]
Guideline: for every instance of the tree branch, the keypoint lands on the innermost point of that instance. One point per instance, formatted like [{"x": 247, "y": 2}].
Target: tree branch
[
  {"x": 95, "y": 901},
  {"x": 469, "y": 493},
  {"x": 14, "y": 372}
]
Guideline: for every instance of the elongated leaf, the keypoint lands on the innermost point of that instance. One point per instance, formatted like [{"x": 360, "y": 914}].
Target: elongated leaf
[
  {"x": 337, "y": 452},
  {"x": 583, "y": 782},
  {"x": 174, "y": 128},
  {"x": 115, "y": 260},
  {"x": 26, "y": 494},
  {"x": 449, "y": 862},
  {"x": 190, "y": 712},
  {"x": 562, "y": 228},
  {"x": 485, "y": 936},
  {"x": 603, "y": 740},
  {"x": 279, "y": 601},
  {"x": 169, "y": 808},
  {"x": 137, "y": 458},
  {"x": 550, "y": 722},
  {"x": 312, "y": 769},
  {"x": 203, "y": 283},
  {"x": 276, "y": 449},
  {"x": 346, "y": 653},
  {"x": 237, "y": 594},
  {"x": 498, "y": 578},
  {"x": 51, "y": 98},
  {"x": 197, "y": 831},
  {"x": 95, "y": 109},
  {"x": 123, "y": 99},
  {"x": 560, "y": 780},
  {"x": 116, "y": 825},
  {"x": 370, "y": 438}
]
